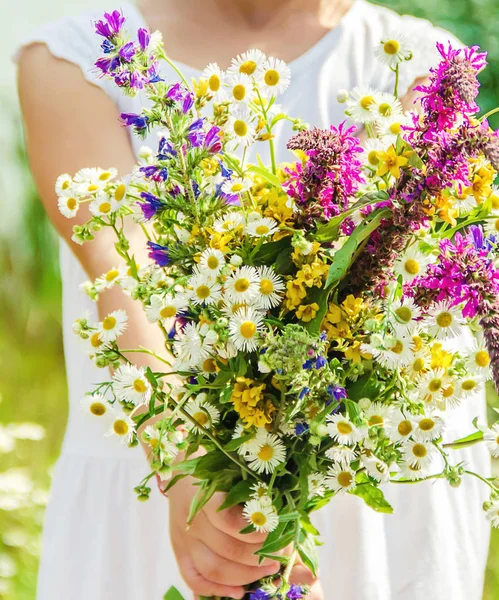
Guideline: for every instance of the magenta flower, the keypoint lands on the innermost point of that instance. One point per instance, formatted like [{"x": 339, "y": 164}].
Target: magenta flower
[{"x": 111, "y": 25}]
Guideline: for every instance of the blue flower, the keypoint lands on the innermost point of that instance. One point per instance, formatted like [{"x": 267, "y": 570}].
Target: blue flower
[
  {"x": 305, "y": 391},
  {"x": 323, "y": 336},
  {"x": 320, "y": 362},
  {"x": 308, "y": 364},
  {"x": 337, "y": 392},
  {"x": 165, "y": 149},
  {"x": 301, "y": 428},
  {"x": 134, "y": 120},
  {"x": 159, "y": 254},
  {"x": 155, "y": 173},
  {"x": 107, "y": 46},
  {"x": 259, "y": 595},
  {"x": 225, "y": 171},
  {"x": 295, "y": 592},
  {"x": 151, "y": 205}
]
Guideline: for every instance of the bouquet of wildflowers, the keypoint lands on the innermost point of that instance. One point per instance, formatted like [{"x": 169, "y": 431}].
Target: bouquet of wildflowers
[{"x": 310, "y": 310}]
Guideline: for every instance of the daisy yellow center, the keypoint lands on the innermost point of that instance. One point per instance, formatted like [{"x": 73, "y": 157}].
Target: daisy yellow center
[
  {"x": 248, "y": 67},
  {"x": 109, "y": 323},
  {"x": 71, "y": 203},
  {"x": 237, "y": 187},
  {"x": 266, "y": 286},
  {"x": 345, "y": 479},
  {"x": 241, "y": 285},
  {"x": 112, "y": 274},
  {"x": 482, "y": 358},
  {"x": 372, "y": 157},
  {"x": 418, "y": 365},
  {"x": 139, "y": 386},
  {"x": 105, "y": 175},
  {"x": 366, "y": 102},
  {"x": 262, "y": 229},
  {"x": 266, "y": 452},
  {"x": 214, "y": 82},
  {"x": 202, "y": 291},
  {"x": 419, "y": 450},
  {"x": 375, "y": 420},
  {"x": 385, "y": 109},
  {"x": 201, "y": 417},
  {"x": 448, "y": 392},
  {"x": 344, "y": 428},
  {"x": 395, "y": 128},
  {"x": 497, "y": 440},
  {"x": 426, "y": 424},
  {"x": 468, "y": 385},
  {"x": 404, "y": 428},
  {"x": 391, "y": 47},
  {"x": 240, "y": 128},
  {"x": 411, "y": 266},
  {"x": 209, "y": 365},
  {"x": 167, "y": 312},
  {"x": 418, "y": 342},
  {"x": 494, "y": 199},
  {"x": 247, "y": 329},
  {"x": 398, "y": 348},
  {"x": 120, "y": 427},
  {"x": 153, "y": 443},
  {"x": 435, "y": 385},
  {"x": 258, "y": 519},
  {"x": 92, "y": 187},
  {"x": 119, "y": 192},
  {"x": 104, "y": 207},
  {"x": 239, "y": 91},
  {"x": 212, "y": 262},
  {"x": 444, "y": 319},
  {"x": 404, "y": 314},
  {"x": 95, "y": 342},
  {"x": 65, "y": 185},
  {"x": 98, "y": 409},
  {"x": 272, "y": 77}
]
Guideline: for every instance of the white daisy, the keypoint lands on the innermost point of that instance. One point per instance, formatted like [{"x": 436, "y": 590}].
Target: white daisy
[
  {"x": 386, "y": 107},
  {"x": 94, "y": 343},
  {"x": 478, "y": 360},
  {"x": 205, "y": 289},
  {"x": 413, "y": 471},
  {"x": 431, "y": 386},
  {"x": 390, "y": 127},
  {"x": 262, "y": 227},
  {"x": 236, "y": 185},
  {"x": 63, "y": 184},
  {"x": 68, "y": 204},
  {"x": 444, "y": 321},
  {"x": 492, "y": 514},
  {"x": 113, "y": 326},
  {"x": 240, "y": 88},
  {"x": 108, "y": 279},
  {"x": 428, "y": 427},
  {"x": 229, "y": 222},
  {"x": 212, "y": 261},
  {"x": 122, "y": 427},
  {"x": 131, "y": 385},
  {"x": 370, "y": 155},
  {"x": 340, "y": 478},
  {"x": 164, "y": 307},
  {"x": 262, "y": 517},
  {"x": 271, "y": 452},
  {"x": 359, "y": 104},
  {"x": 396, "y": 352},
  {"x": 376, "y": 468},
  {"x": 419, "y": 364},
  {"x": 377, "y": 414},
  {"x": 464, "y": 204},
  {"x": 101, "y": 206},
  {"x": 273, "y": 76},
  {"x": 341, "y": 454},
  {"x": 247, "y": 63},
  {"x": 91, "y": 181},
  {"x": 242, "y": 286},
  {"x": 393, "y": 50},
  {"x": 271, "y": 288},
  {"x": 417, "y": 452},
  {"x": 159, "y": 442},
  {"x": 253, "y": 443},
  {"x": 404, "y": 315},
  {"x": 241, "y": 126},
  {"x": 95, "y": 405},
  {"x": 492, "y": 226},
  {"x": 194, "y": 345},
  {"x": 342, "y": 430},
  {"x": 466, "y": 387},
  {"x": 491, "y": 437},
  {"x": 215, "y": 78},
  {"x": 316, "y": 484},
  {"x": 411, "y": 264},
  {"x": 119, "y": 196},
  {"x": 259, "y": 490},
  {"x": 203, "y": 412},
  {"x": 244, "y": 329},
  {"x": 228, "y": 350}
]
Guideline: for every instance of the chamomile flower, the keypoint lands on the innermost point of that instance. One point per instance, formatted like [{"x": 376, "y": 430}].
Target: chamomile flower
[
  {"x": 377, "y": 414},
  {"x": 262, "y": 227},
  {"x": 464, "y": 203},
  {"x": 376, "y": 468},
  {"x": 164, "y": 307},
  {"x": 444, "y": 321},
  {"x": 341, "y": 454},
  {"x": 205, "y": 414},
  {"x": 428, "y": 427},
  {"x": 387, "y": 106},
  {"x": 241, "y": 126},
  {"x": 431, "y": 386},
  {"x": 131, "y": 385},
  {"x": 95, "y": 405},
  {"x": 413, "y": 471},
  {"x": 68, "y": 204},
  {"x": 205, "y": 289},
  {"x": 252, "y": 444},
  {"x": 215, "y": 78},
  {"x": 242, "y": 286},
  {"x": 342, "y": 430},
  {"x": 401, "y": 427},
  {"x": 411, "y": 264},
  {"x": 270, "y": 453},
  {"x": 63, "y": 184},
  {"x": 491, "y": 437},
  {"x": 236, "y": 185},
  {"x": 112, "y": 326},
  {"x": 492, "y": 514},
  {"x": 271, "y": 288},
  {"x": 316, "y": 484},
  {"x": 404, "y": 315},
  {"x": 273, "y": 76},
  {"x": 122, "y": 427},
  {"x": 159, "y": 442},
  {"x": 466, "y": 387},
  {"x": 101, "y": 206},
  {"x": 262, "y": 517},
  {"x": 240, "y": 88},
  {"x": 108, "y": 279},
  {"x": 91, "y": 181},
  {"x": 395, "y": 353},
  {"x": 229, "y": 222},
  {"x": 194, "y": 345},
  {"x": 478, "y": 360},
  {"x": 259, "y": 490},
  {"x": 419, "y": 364},
  {"x": 370, "y": 155},
  {"x": 245, "y": 327},
  {"x": 247, "y": 63},
  {"x": 359, "y": 104},
  {"x": 119, "y": 196},
  {"x": 390, "y": 127},
  {"x": 393, "y": 50},
  {"x": 417, "y": 452},
  {"x": 340, "y": 478}
]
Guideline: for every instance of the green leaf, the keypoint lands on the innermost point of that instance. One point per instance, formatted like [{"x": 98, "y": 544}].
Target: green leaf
[
  {"x": 353, "y": 410},
  {"x": 373, "y": 497},
  {"x": 367, "y": 386},
  {"x": 278, "y": 544},
  {"x": 238, "y": 494},
  {"x": 226, "y": 394},
  {"x": 283, "y": 263},
  {"x": 269, "y": 252},
  {"x": 201, "y": 497},
  {"x": 415, "y": 161},
  {"x": 343, "y": 257},
  {"x": 234, "y": 444},
  {"x": 469, "y": 440},
  {"x": 173, "y": 594},
  {"x": 307, "y": 524},
  {"x": 320, "y": 296},
  {"x": 266, "y": 174},
  {"x": 307, "y": 552}
]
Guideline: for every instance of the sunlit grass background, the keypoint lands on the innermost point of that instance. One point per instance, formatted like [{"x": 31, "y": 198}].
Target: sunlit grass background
[{"x": 32, "y": 378}]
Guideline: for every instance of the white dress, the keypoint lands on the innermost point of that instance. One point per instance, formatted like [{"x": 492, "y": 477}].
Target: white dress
[{"x": 100, "y": 543}]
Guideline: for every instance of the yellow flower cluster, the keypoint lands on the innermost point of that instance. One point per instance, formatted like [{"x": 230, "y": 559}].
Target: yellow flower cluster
[
  {"x": 248, "y": 400},
  {"x": 483, "y": 178},
  {"x": 312, "y": 272}
]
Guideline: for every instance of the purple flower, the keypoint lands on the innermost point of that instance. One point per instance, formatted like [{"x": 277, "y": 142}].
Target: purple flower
[
  {"x": 295, "y": 592},
  {"x": 259, "y": 595},
  {"x": 144, "y": 38},
  {"x": 337, "y": 392},
  {"x": 197, "y": 124},
  {"x": 159, "y": 254},
  {"x": 320, "y": 362},
  {"x": 155, "y": 173},
  {"x": 175, "y": 92},
  {"x": 165, "y": 149},
  {"x": 134, "y": 120},
  {"x": 301, "y": 428},
  {"x": 151, "y": 205},
  {"x": 196, "y": 138},
  {"x": 111, "y": 25},
  {"x": 187, "y": 102},
  {"x": 104, "y": 64},
  {"x": 127, "y": 52},
  {"x": 212, "y": 141}
]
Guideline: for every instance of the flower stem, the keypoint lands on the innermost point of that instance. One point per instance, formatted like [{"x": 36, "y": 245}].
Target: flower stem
[{"x": 489, "y": 114}]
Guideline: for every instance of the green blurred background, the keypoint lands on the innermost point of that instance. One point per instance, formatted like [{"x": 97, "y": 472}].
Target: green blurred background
[{"x": 32, "y": 379}]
